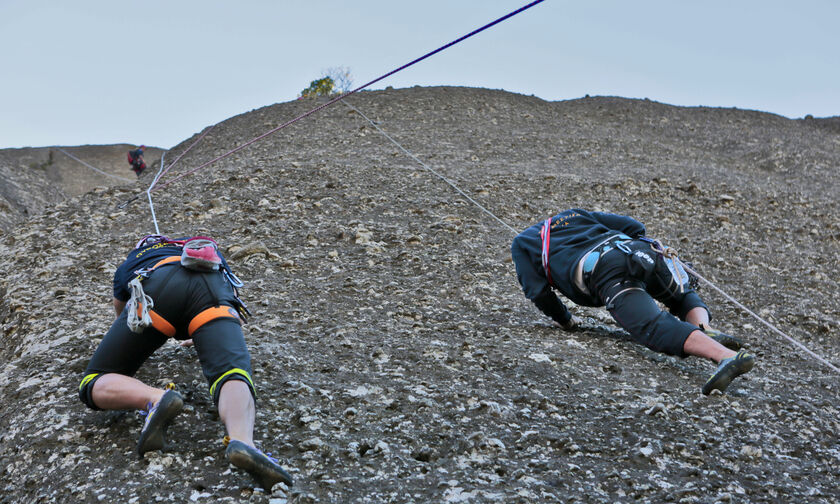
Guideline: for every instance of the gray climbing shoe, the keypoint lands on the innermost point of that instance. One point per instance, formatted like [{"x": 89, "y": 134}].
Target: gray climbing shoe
[
  {"x": 262, "y": 467},
  {"x": 157, "y": 421},
  {"x": 728, "y": 370}
]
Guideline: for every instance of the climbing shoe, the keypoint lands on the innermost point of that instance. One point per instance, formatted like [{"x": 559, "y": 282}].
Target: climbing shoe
[
  {"x": 262, "y": 467},
  {"x": 157, "y": 420},
  {"x": 730, "y": 342},
  {"x": 728, "y": 370}
]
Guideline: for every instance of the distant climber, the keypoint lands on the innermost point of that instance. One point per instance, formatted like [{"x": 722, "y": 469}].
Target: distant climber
[
  {"x": 135, "y": 159},
  {"x": 182, "y": 289},
  {"x": 603, "y": 259}
]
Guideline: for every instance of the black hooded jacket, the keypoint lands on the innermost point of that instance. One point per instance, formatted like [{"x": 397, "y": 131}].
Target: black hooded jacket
[{"x": 574, "y": 232}]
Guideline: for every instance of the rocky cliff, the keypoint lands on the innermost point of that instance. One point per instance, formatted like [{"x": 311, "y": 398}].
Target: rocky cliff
[
  {"x": 35, "y": 178},
  {"x": 396, "y": 359}
]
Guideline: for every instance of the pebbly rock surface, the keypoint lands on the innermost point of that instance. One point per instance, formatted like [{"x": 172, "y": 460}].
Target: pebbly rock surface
[
  {"x": 395, "y": 357},
  {"x": 36, "y": 177}
]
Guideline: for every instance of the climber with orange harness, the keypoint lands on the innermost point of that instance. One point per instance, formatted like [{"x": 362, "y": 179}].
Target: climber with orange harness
[
  {"x": 183, "y": 289},
  {"x": 602, "y": 259}
]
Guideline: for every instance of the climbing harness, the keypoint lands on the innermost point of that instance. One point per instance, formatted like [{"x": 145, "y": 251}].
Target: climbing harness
[
  {"x": 586, "y": 265},
  {"x": 199, "y": 253}
]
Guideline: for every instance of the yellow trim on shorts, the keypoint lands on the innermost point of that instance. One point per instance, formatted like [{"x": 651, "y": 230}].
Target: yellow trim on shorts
[
  {"x": 87, "y": 379},
  {"x": 233, "y": 371}
]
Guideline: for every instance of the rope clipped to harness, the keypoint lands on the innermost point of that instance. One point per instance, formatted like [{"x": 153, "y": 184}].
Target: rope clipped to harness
[
  {"x": 139, "y": 305},
  {"x": 692, "y": 273},
  {"x": 668, "y": 252},
  {"x": 679, "y": 275}
]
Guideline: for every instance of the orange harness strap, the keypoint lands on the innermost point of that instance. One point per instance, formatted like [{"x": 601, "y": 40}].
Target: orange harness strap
[
  {"x": 211, "y": 314},
  {"x": 158, "y": 322},
  {"x": 167, "y": 260}
]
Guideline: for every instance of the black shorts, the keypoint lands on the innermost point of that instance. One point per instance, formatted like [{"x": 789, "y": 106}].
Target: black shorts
[
  {"x": 631, "y": 303},
  {"x": 194, "y": 305}
]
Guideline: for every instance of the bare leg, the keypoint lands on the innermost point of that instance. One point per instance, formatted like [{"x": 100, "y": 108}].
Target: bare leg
[
  {"x": 698, "y": 316},
  {"x": 701, "y": 345},
  {"x": 237, "y": 411},
  {"x": 116, "y": 391}
]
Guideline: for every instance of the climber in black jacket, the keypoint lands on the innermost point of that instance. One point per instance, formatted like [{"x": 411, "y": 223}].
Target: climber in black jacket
[{"x": 603, "y": 259}]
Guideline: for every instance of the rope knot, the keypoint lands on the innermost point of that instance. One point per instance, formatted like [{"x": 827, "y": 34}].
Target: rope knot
[{"x": 668, "y": 252}]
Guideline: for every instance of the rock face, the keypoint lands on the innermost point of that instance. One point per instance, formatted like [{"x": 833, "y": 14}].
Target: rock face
[
  {"x": 396, "y": 359},
  {"x": 34, "y": 178}
]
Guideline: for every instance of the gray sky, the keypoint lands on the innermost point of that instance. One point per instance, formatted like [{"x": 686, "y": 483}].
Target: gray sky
[{"x": 155, "y": 72}]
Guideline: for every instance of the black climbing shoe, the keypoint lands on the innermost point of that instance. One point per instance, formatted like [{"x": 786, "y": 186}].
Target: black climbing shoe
[
  {"x": 263, "y": 468},
  {"x": 728, "y": 370},
  {"x": 157, "y": 420},
  {"x": 730, "y": 342}
]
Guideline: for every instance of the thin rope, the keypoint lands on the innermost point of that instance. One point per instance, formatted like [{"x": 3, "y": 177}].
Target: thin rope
[
  {"x": 161, "y": 172},
  {"x": 672, "y": 254},
  {"x": 71, "y": 156},
  {"x": 180, "y": 156},
  {"x": 429, "y": 169},
  {"x": 768, "y": 324},
  {"x": 345, "y": 95},
  {"x": 149, "y": 190},
  {"x": 666, "y": 251}
]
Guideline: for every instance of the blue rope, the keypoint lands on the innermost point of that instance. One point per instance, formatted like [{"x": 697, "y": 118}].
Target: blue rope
[{"x": 345, "y": 95}]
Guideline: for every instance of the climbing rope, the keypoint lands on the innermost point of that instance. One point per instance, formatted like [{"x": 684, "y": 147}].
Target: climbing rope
[
  {"x": 672, "y": 254},
  {"x": 430, "y": 170},
  {"x": 345, "y": 95},
  {"x": 158, "y": 175},
  {"x": 768, "y": 324},
  {"x": 668, "y": 252},
  {"x": 71, "y": 156},
  {"x": 161, "y": 174}
]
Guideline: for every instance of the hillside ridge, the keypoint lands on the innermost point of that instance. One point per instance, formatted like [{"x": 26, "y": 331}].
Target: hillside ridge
[{"x": 395, "y": 357}]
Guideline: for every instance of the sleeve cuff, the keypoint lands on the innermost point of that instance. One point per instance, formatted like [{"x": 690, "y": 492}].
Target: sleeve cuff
[{"x": 551, "y": 306}]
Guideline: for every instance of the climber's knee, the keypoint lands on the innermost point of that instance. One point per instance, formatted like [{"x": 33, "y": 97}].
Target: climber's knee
[
  {"x": 86, "y": 390},
  {"x": 233, "y": 374}
]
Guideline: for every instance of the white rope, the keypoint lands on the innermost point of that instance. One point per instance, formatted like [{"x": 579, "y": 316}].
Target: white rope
[
  {"x": 149, "y": 191},
  {"x": 424, "y": 165},
  {"x": 71, "y": 156}
]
